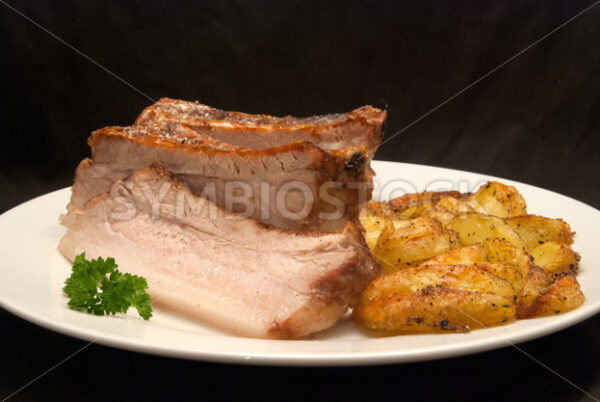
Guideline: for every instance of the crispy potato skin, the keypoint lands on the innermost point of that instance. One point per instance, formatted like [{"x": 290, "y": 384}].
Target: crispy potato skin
[
  {"x": 467, "y": 255},
  {"x": 398, "y": 253},
  {"x": 463, "y": 277},
  {"x": 406, "y": 229},
  {"x": 435, "y": 309},
  {"x": 556, "y": 258},
  {"x": 447, "y": 208},
  {"x": 379, "y": 209},
  {"x": 412, "y": 242},
  {"x": 536, "y": 230},
  {"x": 373, "y": 226},
  {"x": 428, "y": 197},
  {"x": 499, "y": 200},
  {"x": 476, "y": 228},
  {"x": 436, "y": 298},
  {"x": 497, "y": 255},
  {"x": 563, "y": 295},
  {"x": 537, "y": 282}
]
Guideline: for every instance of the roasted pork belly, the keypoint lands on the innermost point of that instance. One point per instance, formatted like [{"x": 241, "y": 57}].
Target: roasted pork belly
[
  {"x": 221, "y": 268},
  {"x": 360, "y": 127},
  {"x": 293, "y": 186}
]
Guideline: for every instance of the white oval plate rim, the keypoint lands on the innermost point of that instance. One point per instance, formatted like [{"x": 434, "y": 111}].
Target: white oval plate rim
[{"x": 303, "y": 352}]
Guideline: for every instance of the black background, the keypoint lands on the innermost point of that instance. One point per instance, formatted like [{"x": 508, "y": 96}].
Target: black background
[{"x": 535, "y": 120}]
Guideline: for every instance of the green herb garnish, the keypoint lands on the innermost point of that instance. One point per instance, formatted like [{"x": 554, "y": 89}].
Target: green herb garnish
[{"x": 98, "y": 287}]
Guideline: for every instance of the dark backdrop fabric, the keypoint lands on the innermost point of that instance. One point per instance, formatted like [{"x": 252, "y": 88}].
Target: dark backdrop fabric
[{"x": 535, "y": 120}]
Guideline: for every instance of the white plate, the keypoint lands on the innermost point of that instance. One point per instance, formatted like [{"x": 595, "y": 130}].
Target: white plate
[{"x": 32, "y": 273}]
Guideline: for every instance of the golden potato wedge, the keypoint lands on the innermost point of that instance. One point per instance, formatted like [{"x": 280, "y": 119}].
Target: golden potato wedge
[
  {"x": 508, "y": 272},
  {"x": 462, "y": 277},
  {"x": 386, "y": 232},
  {"x": 397, "y": 253},
  {"x": 475, "y": 228},
  {"x": 373, "y": 225},
  {"x": 435, "y": 310},
  {"x": 490, "y": 251},
  {"x": 415, "y": 227},
  {"x": 536, "y": 230},
  {"x": 436, "y": 298},
  {"x": 403, "y": 230},
  {"x": 415, "y": 199},
  {"x": 387, "y": 210},
  {"x": 376, "y": 208},
  {"x": 379, "y": 229},
  {"x": 563, "y": 295},
  {"x": 447, "y": 208},
  {"x": 496, "y": 255},
  {"x": 498, "y": 199},
  {"x": 416, "y": 211},
  {"x": 500, "y": 251},
  {"x": 456, "y": 205},
  {"x": 537, "y": 282},
  {"x": 466, "y": 255},
  {"x": 556, "y": 258}
]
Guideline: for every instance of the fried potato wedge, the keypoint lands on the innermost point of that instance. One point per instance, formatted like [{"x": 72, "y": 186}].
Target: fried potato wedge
[
  {"x": 378, "y": 209},
  {"x": 508, "y": 272},
  {"x": 536, "y": 230},
  {"x": 406, "y": 229},
  {"x": 428, "y": 197},
  {"x": 387, "y": 231},
  {"x": 436, "y": 298},
  {"x": 467, "y": 255},
  {"x": 435, "y": 310},
  {"x": 494, "y": 255},
  {"x": 462, "y": 277},
  {"x": 556, "y": 258},
  {"x": 411, "y": 244},
  {"x": 416, "y": 211},
  {"x": 447, "y": 208},
  {"x": 476, "y": 228},
  {"x": 536, "y": 283},
  {"x": 373, "y": 226},
  {"x": 561, "y": 296},
  {"x": 491, "y": 250},
  {"x": 387, "y": 210},
  {"x": 498, "y": 199}
]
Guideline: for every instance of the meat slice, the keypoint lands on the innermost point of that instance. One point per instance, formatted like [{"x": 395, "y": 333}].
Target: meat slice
[
  {"x": 294, "y": 186},
  {"x": 360, "y": 127},
  {"x": 219, "y": 267}
]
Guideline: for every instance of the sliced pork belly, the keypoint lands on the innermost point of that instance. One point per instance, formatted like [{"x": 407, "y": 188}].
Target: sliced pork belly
[
  {"x": 218, "y": 267},
  {"x": 360, "y": 127},
  {"x": 294, "y": 186}
]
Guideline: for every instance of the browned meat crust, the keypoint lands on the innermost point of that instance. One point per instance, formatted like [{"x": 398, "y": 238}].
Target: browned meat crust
[
  {"x": 362, "y": 126},
  {"x": 198, "y": 160}
]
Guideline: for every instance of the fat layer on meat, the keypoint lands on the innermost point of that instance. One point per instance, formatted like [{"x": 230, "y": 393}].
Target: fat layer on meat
[{"x": 219, "y": 267}]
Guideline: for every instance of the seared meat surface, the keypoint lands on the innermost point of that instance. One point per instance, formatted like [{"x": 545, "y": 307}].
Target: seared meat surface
[
  {"x": 293, "y": 186},
  {"x": 217, "y": 266},
  {"x": 360, "y": 127}
]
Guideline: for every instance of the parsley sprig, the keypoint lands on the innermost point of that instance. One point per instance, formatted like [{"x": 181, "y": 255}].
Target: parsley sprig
[{"x": 97, "y": 287}]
